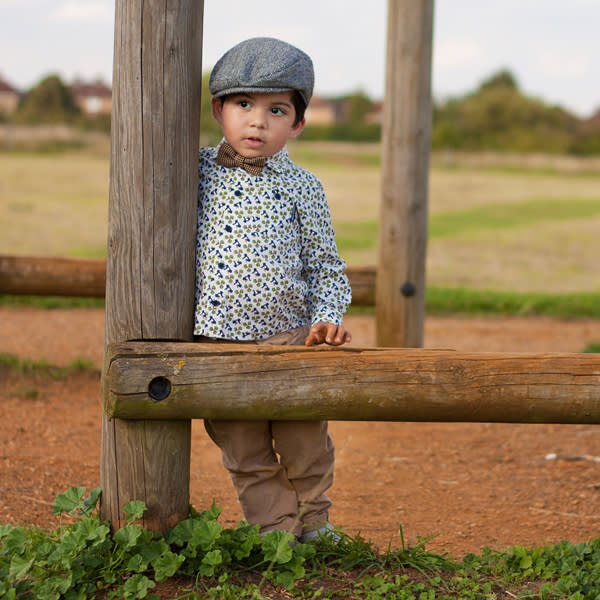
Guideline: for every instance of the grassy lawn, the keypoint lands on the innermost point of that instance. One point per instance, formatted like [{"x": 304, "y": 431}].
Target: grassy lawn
[
  {"x": 54, "y": 204},
  {"x": 507, "y": 225}
]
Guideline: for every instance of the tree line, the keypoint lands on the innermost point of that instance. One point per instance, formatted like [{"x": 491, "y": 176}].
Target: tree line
[
  {"x": 52, "y": 102},
  {"x": 496, "y": 116}
]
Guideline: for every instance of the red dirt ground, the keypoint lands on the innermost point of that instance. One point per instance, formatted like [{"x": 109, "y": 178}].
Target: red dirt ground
[{"x": 469, "y": 485}]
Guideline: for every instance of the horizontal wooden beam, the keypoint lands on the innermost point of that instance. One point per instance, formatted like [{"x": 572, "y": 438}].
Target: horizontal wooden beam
[
  {"x": 164, "y": 380},
  {"x": 86, "y": 277},
  {"x": 52, "y": 276}
]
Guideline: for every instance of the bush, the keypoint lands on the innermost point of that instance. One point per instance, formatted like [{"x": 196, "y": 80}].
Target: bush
[{"x": 49, "y": 102}]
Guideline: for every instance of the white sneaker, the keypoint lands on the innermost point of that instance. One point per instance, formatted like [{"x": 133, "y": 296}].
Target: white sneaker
[{"x": 327, "y": 531}]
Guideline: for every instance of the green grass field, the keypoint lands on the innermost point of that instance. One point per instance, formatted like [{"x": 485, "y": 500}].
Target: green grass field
[
  {"x": 54, "y": 204},
  {"x": 507, "y": 226},
  {"x": 504, "y": 225}
]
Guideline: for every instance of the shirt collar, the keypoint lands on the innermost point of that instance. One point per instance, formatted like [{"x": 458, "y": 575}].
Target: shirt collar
[{"x": 277, "y": 161}]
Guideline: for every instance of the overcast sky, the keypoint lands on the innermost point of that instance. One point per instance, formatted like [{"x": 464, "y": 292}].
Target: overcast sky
[{"x": 551, "y": 46}]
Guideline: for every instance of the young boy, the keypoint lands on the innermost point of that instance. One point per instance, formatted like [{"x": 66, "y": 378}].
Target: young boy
[{"x": 268, "y": 272}]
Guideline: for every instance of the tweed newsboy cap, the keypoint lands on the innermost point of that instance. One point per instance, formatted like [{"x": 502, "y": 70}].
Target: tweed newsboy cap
[{"x": 263, "y": 65}]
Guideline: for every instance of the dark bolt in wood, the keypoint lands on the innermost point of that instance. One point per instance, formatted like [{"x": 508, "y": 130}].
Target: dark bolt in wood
[
  {"x": 159, "y": 388},
  {"x": 408, "y": 289}
]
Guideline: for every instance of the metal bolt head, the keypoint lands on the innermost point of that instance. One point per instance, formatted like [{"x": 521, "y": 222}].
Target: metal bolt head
[
  {"x": 408, "y": 289},
  {"x": 159, "y": 388}
]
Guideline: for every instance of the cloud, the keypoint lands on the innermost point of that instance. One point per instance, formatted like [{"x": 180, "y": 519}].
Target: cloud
[
  {"x": 452, "y": 53},
  {"x": 82, "y": 11}
]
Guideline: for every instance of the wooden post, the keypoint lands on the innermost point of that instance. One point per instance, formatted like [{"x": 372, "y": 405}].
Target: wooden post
[
  {"x": 406, "y": 134},
  {"x": 151, "y": 238}
]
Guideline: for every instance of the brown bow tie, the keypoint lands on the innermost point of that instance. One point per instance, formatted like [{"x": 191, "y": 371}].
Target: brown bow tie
[{"x": 228, "y": 157}]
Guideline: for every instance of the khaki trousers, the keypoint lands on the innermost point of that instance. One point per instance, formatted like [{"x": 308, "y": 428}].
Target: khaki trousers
[{"x": 280, "y": 469}]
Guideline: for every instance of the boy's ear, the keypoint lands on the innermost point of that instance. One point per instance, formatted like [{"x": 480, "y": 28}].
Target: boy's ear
[
  {"x": 217, "y": 109},
  {"x": 297, "y": 129}
]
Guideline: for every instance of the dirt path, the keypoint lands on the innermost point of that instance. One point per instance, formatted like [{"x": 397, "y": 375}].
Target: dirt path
[{"x": 469, "y": 485}]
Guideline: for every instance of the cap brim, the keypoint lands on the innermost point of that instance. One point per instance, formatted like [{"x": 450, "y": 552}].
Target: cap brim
[{"x": 255, "y": 90}]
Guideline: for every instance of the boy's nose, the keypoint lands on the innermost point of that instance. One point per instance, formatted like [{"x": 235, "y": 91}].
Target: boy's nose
[{"x": 258, "y": 119}]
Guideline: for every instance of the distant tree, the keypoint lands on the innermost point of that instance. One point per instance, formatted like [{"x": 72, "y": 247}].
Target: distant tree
[
  {"x": 48, "y": 102},
  {"x": 588, "y": 136},
  {"x": 497, "y": 116},
  {"x": 358, "y": 106},
  {"x": 501, "y": 79}
]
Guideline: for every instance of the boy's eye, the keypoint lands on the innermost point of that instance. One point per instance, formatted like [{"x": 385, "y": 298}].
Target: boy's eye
[
  {"x": 244, "y": 103},
  {"x": 277, "y": 111}
]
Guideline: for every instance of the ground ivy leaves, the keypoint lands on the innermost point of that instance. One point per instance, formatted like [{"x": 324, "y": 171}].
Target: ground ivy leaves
[
  {"x": 82, "y": 560},
  {"x": 72, "y": 501}
]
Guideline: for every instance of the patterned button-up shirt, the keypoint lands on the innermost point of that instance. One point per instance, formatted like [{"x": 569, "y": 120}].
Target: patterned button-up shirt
[{"x": 266, "y": 258}]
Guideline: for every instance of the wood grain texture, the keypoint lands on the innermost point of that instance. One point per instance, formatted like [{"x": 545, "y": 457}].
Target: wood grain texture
[
  {"x": 406, "y": 135},
  {"x": 281, "y": 382},
  {"x": 151, "y": 238}
]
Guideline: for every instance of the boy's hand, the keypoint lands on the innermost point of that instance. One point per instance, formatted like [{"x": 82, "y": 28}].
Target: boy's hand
[{"x": 334, "y": 335}]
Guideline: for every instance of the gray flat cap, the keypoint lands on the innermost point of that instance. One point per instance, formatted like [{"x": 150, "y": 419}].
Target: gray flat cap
[{"x": 263, "y": 65}]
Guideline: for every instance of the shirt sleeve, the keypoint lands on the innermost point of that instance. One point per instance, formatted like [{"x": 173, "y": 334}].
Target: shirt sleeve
[{"x": 324, "y": 272}]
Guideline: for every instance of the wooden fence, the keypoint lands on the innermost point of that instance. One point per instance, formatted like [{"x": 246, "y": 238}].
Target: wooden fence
[{"x": 158, "y": 380}]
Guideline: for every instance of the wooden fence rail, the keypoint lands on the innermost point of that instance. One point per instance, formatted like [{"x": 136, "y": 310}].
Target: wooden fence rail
[
  {"x": 86, "y": 277},
  {"x": 162, "y": 380},
  {"x": 52, "y": 276}
]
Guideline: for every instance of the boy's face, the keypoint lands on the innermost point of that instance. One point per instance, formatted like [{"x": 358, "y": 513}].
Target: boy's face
[{"x": 257, "y": 124}]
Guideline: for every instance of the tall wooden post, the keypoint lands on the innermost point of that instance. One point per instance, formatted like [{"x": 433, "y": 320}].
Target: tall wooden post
[
  {"x": 151, "y": 237},
  {"x": 406, "y": 134}
]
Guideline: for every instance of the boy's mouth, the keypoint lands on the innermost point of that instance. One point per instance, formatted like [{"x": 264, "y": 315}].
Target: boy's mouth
[{"x": 254, "y": 141}]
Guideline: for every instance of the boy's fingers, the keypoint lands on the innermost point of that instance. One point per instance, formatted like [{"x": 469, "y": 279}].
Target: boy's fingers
[
  {"x": 334, "y": 335},
  {"x": 330, "y": 333},
  {"x": 315, "y": 335},
  {"x": 342, "y": 336}
]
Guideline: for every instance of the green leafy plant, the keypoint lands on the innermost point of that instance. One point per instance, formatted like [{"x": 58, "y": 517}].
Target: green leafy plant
[{"x": 83, "y": 559}]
